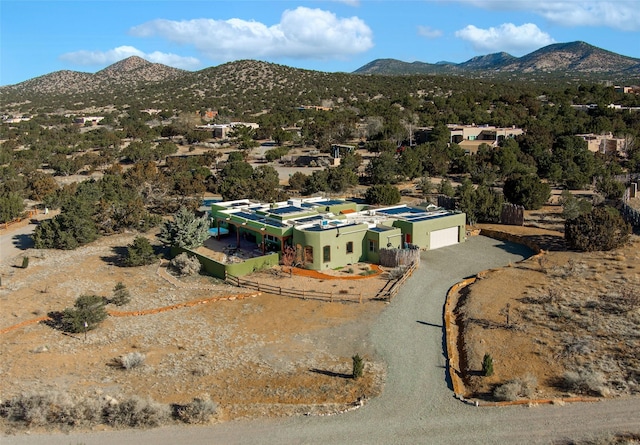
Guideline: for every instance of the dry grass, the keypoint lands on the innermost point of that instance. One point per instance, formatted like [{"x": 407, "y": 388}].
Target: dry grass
[{"x": 574, "y": 325}]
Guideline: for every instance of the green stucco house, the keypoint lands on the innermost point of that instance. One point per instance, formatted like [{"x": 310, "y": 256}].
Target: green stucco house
[{"x": 332, "y": 233}]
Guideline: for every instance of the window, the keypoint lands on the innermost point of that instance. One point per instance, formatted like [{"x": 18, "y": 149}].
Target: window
[
  {"x": 308, "y": 254},
  {"x": 326, "y": 254},
  {"x": 373, "y": 246},
  {"x": 350, "y": 247}
]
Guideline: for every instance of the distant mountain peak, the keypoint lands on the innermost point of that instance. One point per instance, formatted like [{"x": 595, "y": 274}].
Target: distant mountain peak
[{"x": 125, "y": 65}]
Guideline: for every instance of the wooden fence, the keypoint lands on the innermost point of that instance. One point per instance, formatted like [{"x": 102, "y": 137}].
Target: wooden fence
[
  {"x": 27, "y": 215},
  {"x": 392, "y": 287},
  {"x": 387, "y": 293},
  {"x": 295, "y": 293}
]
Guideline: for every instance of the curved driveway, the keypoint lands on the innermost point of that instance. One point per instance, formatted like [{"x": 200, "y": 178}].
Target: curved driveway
[{"x": 417, "y": 406}]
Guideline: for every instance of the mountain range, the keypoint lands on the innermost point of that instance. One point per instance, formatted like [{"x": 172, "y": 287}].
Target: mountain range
[
  {"x": 559, "y": 58},
  {"x": 134, "y": 75}
]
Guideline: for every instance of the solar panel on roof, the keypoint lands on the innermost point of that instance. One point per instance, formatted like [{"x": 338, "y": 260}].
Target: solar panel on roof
[
  {"x": 285, "y": 210},
  {"x": 261, "y": 219}
]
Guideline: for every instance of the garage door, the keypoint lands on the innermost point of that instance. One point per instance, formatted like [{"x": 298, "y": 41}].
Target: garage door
[{"x": 444, "y": 237}]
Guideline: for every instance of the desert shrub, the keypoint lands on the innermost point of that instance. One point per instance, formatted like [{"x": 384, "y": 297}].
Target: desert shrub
[
  {"x": 200, "y": 410},
  {"x": 358, "y": 366},
  {"x": 601, "y": 229},
  {"x": 516, "y": 388},
  {"x": 25, "y": 262},
  {"x": 140, "y": 253},
  {"x": 86, "y": 314},
  {"x": 135, "y": 412},
  {"x": 121, "y": 295},
  {"x": 573, "y": 207},
  {"x": 185, "y": 264},
  {"x": 53, "y": 408},
  {"x": 130, "y": 360},
  {"x": 584, "y": 382},
  {"x": 487, "y": 365}
]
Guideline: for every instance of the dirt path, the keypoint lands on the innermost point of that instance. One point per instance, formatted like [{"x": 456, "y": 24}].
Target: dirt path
[{"x": 417, "y": 405}]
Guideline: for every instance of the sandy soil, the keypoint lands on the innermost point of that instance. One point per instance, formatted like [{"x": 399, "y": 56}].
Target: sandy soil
[
  {"x": 262, "y": 355},
  {"x": 567, "y": 314}
]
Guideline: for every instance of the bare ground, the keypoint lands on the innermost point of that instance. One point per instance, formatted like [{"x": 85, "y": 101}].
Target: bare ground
[
  {"x": 259, "y": 356},
  {"x": 568, "y": 323}
]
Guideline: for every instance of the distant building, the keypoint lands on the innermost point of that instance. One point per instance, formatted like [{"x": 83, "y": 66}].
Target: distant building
[
  {"x": 93, "y": 120},
  {"x": 470, "y": 137},
  {"x": 14, "y": 120},
  {"x": 605, "y": 144},
  {"x": 221, "y": 131}
]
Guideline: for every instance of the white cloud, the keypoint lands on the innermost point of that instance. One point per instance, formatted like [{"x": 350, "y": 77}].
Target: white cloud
[
  {"x": 101, "y": 58},
  {"x": 620, "y": 14},
  {"x": 506, "y": 37},
  {"x": 428, "y": 32},
  {"x": 301, "y": 33}
]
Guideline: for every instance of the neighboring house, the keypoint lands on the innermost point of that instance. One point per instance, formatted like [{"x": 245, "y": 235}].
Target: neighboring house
[
  {"x": 470, "y": 137},
  {"x": 605, "y": 144},
  {"x": 327, "y": 234},
  {"x": 93, "y": 120},
  {"x": 221, "y": 131},
  {"x": 14, "y": 120}
]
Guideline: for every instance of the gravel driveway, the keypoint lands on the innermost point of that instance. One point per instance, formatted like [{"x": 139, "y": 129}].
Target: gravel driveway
[{"x": 417, "y": 405}]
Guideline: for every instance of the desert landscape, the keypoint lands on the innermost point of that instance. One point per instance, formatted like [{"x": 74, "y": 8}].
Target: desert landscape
[{"x": 255, "y": 355}]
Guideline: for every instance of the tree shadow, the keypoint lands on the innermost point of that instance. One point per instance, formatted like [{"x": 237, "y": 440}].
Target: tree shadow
[
  {"x": 429, "y": 324},
  {"x": 23, "y": 241},
  {"x": 515, "y": 249},
  {"x": 55, "y": 320},
  {"x": 332, "y": 373},
  {"x": 117, "y": 259}
]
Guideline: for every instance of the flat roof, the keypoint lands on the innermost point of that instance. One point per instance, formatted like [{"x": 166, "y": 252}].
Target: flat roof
[
  {"x": 286, "y": 210},
  {"x": 261, "y": 219}
]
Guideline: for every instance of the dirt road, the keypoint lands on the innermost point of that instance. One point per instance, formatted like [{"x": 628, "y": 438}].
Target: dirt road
[
  {"x": 417, "y": 405},
  {"x": 15, "y": 240}
]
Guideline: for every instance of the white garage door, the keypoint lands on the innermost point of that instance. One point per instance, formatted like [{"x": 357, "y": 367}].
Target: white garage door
[{"x": 444, "y": 237}]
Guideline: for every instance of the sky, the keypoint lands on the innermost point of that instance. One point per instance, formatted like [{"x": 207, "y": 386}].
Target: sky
[{"x": 38, "y": 37}]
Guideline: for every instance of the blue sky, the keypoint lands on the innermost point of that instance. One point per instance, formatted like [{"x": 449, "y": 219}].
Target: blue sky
[{"x": 39, "y": 37}]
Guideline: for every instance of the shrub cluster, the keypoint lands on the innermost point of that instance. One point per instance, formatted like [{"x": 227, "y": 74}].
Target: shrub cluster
[
  {"x": 185, "y": 264},
  {"x": 130, "y": 360},
  {"x": 61, "y": 410},
  {"x": 586, "y": 382},
  {"x": 601, "y": 229},
  {"x": 200, "y": 410},
  {"x": 516, "y": 388}
]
